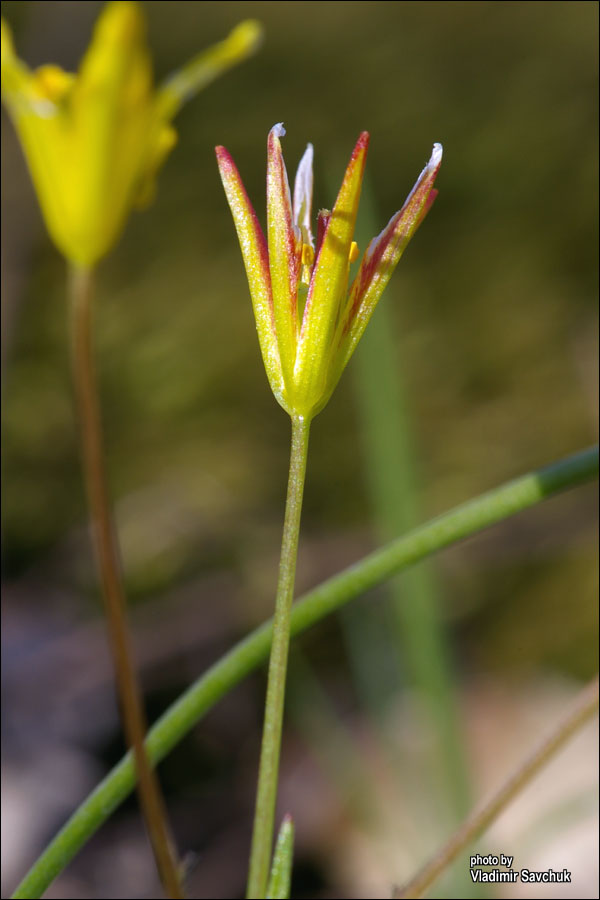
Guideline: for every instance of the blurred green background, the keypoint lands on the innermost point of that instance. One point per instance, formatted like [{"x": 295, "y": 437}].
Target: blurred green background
[{"x": 493, "y": 321}]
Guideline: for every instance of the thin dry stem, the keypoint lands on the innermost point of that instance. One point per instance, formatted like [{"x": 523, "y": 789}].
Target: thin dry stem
[
  {"x": 109, "y": 566},
  {"x": 578, "y": 714}
]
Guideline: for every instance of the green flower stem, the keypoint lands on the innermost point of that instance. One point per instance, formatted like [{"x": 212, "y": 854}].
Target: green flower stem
[
  {"x": 109, "y": 566},
  {"x": 449, "y": 528},
  {"x": 266, "y": 796},
  {"x": 578, "y": 714}
]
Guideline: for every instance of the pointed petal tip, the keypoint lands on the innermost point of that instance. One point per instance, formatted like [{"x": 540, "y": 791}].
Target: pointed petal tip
[
  {"x": 277, "y": 131},
  {"x": 306, "y": 160},
  {"x": 361, "y": 146},
  {"x": 8, "y": 49},
  {"x": 247, "y": 36},
  {"x": 436, "y": 156},
  {"x": 121, "y": 21},
  {"x": 224, "y": 158}
]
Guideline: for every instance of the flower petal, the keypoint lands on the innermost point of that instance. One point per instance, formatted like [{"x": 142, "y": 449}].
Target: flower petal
[
  {"x": 303, "y": 192},
  {"x": 42, "y": 127},
  {"x": 284, "y": 254},
  {"x": 241, "y": 43},
  {"x": 112, "y": 126},
  {"x": 256, "y": 261},
  {"x": 328, "y": 285},
  {"x": 160, "y": 144},
  {"x": 380, "y": 260},
  {"x": 16, "y": 76}
]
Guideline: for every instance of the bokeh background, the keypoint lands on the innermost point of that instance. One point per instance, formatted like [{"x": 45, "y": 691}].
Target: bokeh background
[{"x": 480, "y": 364}]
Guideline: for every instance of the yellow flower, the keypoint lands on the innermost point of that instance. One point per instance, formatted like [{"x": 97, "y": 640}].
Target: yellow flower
[
  {"x": 95, "y": 141},
  {"x": 308, "y": 320}
]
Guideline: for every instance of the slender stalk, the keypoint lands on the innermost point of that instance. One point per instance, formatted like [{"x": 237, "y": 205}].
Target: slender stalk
[
  {"x": 266, "y": 795},
  {"x": 109, "y": 566},
  {"x": 184, "y": 714},
  {"x": 578, "y": 714}
]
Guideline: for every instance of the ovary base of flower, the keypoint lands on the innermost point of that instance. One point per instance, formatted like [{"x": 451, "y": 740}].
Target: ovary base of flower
[
  {"x": 309, "y": 315},
  {"x": 95, "y": 141}
]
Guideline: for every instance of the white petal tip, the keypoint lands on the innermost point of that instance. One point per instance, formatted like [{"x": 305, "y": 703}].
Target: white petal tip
[
  {"x": 436, "y": 156},
  {"x": 278, "y": 130},
  {"x": 305, "y": 166}
]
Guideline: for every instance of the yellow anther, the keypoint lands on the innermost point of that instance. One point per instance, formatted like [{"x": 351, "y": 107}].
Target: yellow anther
[
  {"x": 53, "y": 83},
  {"x": 308, "y": 255},
  {"x": 354, "y": 252},
  {"x": 307, "y": 258}
]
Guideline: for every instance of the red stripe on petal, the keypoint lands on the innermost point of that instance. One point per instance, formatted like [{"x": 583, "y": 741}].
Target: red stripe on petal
[
  {"x": 283, "y": 239},
  {"x": 256, "y": 262},
  {"x": 384, "y": 251},
  {"x": 328, "y": 286},
  {"x": 322, "y": 223},
  {"x": 284, "y": 253},
  {"x": 349, "y": 192},
  {"x": 250, "y": 233}
]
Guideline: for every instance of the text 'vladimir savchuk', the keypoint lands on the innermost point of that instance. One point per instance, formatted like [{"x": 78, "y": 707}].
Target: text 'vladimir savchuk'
[{"x": 511, "y": 875}]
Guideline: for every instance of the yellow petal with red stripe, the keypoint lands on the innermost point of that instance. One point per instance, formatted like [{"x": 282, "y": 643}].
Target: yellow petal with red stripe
[
  {"x": 284, "y": 254},
  {"x": 256, "y": 262},
  {"x": 327, "y": 290},
  {"x": 380, "y": 259}
]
